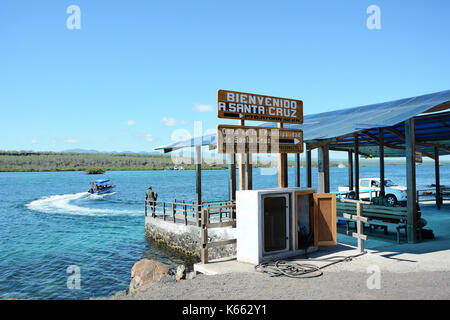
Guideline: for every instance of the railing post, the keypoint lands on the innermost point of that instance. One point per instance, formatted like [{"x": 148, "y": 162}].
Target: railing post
[
  {"x": 145, "y": 207},
  {"x": 185, "y": 213},
  {"x": 153, "y": 208},
  {"x": 360, "y": 226},
  {"x": 204, "y": 223},
  {"x": 164, "y": 211},
  {"x": 199, "y": 214},
  {"x": 174, "y": 209}
]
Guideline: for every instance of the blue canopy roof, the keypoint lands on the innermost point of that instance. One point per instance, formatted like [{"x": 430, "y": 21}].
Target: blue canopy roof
[
  {"x": 101, "y": 180},
  {"x": 338, "y": 123}
]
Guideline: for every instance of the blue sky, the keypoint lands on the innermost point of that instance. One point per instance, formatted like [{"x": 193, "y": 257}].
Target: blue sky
[{"x": 138, "y": 70}]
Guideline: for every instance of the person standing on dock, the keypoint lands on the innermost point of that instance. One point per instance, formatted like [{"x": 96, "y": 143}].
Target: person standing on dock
[{"x": 151, "y": 196}]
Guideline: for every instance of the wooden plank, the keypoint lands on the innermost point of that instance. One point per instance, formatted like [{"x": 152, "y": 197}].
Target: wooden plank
[
  {"x": 354, "y": 235},
  {"x": 355, "y": 217},
  {"x": 325, "y": 226},
  {"x": 353, "y": 201},
  {"x": 221, "y": 224},
  {"x": 220, "y": 243},
  {"x": 249, "y": 171},
  {"x": 232, "y": 177}
]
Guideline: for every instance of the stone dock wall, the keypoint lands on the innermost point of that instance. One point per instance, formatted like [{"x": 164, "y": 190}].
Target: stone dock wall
[{"x": 186, "y": 239}]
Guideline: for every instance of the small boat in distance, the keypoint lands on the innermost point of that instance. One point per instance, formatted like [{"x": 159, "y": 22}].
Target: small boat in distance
[{"x": 101, "y": 186}]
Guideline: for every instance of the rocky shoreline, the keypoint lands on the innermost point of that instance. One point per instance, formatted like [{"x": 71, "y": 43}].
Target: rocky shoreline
[{"x": 146, "y": 273}]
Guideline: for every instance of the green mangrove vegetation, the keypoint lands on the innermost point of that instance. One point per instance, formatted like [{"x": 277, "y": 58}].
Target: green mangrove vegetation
[{"x": 16, "y": 161}]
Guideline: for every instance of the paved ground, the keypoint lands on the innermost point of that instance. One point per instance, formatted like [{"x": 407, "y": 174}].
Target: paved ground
[
  {"x": 406, "y": 271},
  {"x": 332, "y": 285}
]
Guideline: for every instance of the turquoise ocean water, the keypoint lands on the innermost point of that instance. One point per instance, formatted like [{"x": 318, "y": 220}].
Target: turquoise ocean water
[{"x": 49, "y": 222}]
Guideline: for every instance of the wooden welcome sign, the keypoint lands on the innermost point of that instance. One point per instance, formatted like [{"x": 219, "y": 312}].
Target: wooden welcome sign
[{"x": 248, "y": 106}]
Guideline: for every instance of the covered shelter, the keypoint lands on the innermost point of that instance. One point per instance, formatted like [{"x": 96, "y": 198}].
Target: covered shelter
[{"x": 410, "y": 127}]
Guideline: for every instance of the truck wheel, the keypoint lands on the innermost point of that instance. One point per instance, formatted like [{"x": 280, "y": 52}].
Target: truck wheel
[
  {"x": 391, "y": 200},
  {"x": 351, "y": 195}
]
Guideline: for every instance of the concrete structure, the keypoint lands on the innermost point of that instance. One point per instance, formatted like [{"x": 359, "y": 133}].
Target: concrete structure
[
  {"x": 186, "y": 238},
  {"x": 255, "y": 225}
]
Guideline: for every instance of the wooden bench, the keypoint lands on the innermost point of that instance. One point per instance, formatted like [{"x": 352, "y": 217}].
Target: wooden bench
[{"x": 395, "y": 217}]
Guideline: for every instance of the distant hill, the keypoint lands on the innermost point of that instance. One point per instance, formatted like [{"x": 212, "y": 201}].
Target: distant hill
[
  {"x": 80, "y": 151},
  {"x": 107, "y": 152}
]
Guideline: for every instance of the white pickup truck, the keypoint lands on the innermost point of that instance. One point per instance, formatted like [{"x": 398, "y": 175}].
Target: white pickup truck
[{"x": 370, "y": 187}]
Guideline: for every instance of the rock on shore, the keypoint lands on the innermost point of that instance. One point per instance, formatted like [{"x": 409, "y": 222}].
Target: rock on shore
[{"x": 146, "y": 272}]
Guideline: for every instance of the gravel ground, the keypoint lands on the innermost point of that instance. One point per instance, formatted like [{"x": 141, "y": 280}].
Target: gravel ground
[{"x": 332, "y": 285}]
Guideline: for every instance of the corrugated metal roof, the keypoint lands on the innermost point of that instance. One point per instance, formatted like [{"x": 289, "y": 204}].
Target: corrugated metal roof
[{"x": 333, "y": 124}]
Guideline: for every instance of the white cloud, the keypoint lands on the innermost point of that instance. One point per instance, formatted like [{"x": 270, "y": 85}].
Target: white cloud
[
  {"x": 130, "y": 122},
  {"x": 33, "y": 141},
  {"x": 70, "y": 141},
  {"x": 202, "y": 108},
  {"x": 148, "y": 137},
  {"x": 170, "y": 122}
]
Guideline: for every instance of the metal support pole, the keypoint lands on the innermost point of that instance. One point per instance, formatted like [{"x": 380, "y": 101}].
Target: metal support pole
[
  {"x": 308, "y": 168},
  {"x": 198, "y": 171},
  {"x": 411, "y": 180},
  {"x": 437, "y": 178},
  {"x": 297, "y": 170},
  {"x": 350, "y": 170},
  {"x": 382, "y": 192},
  {"x": 357, "y": 166}
]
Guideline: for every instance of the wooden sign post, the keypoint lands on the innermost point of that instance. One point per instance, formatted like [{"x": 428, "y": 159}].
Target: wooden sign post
[
  {"x": 247, "y": 140},
  {"x": 233, "y": 139}
]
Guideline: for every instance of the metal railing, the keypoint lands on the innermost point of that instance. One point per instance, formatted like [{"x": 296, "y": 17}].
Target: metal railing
[
  {"x": 212, "y": 218},
  {"x": 185, "y": 212}
]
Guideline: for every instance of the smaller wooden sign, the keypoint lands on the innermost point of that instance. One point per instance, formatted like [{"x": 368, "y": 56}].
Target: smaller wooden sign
[{"x": 248, "y": 139}]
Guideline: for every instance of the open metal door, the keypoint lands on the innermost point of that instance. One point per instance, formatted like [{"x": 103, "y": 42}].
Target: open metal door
[{"x": 325, "y": 227}]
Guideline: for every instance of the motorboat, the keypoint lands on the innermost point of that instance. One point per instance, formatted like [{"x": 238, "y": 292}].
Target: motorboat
[{"x": 101, "y": 186}]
